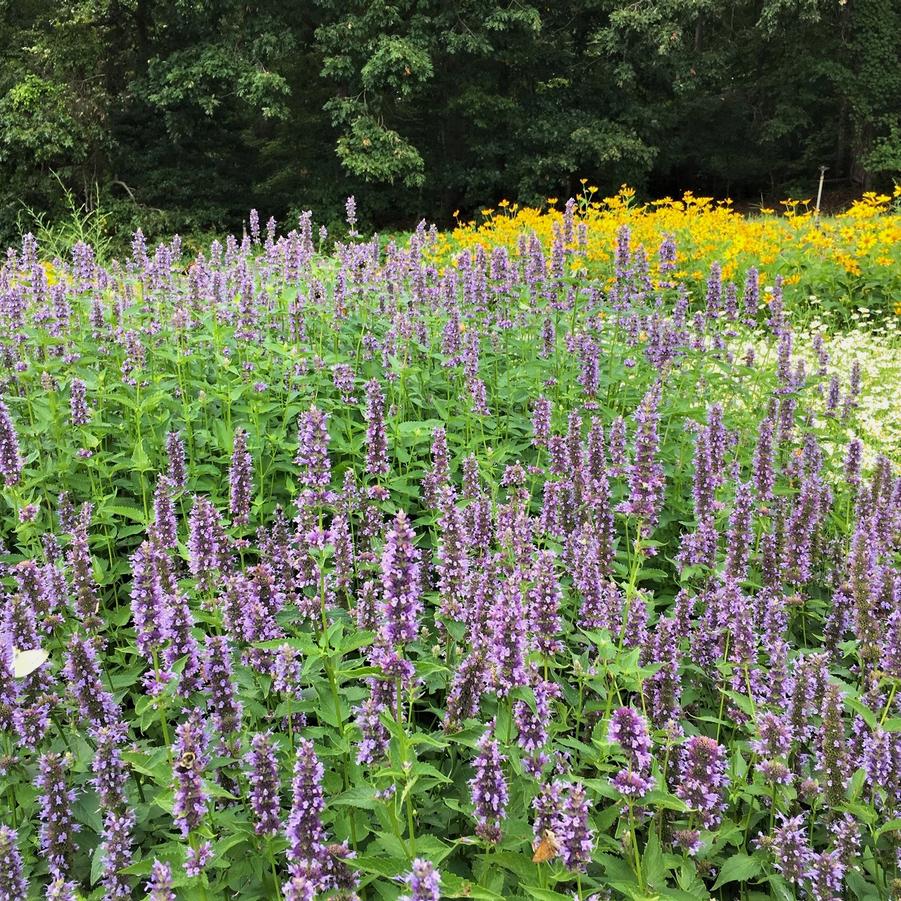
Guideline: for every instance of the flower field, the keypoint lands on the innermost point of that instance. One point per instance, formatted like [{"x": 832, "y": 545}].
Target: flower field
[{"x": 552, "y": 557}]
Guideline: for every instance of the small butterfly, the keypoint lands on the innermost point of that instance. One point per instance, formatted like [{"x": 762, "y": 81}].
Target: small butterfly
[
  {"x": 546, "y": 849},
  {"x": 26, "y": 662}
]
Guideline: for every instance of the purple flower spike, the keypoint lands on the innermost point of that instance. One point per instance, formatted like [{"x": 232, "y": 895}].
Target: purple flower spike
[
  {"x": 376, "y": 441},
  {"x": 159, "y": 886},
  {"x": 702, "y": 778},
  {"x": 55, "y": 802},
  {"x": 240, "y": 480},
  {"x": 190, "y": 760},
  {"x": 13, "y": 886},
  {"x": 401, "y": 583},
  {"x": 265, "y": 787},
  {"x": 489, "y": 788},
  {"x": 10, "y": 458},
  {"x": 423, "y": 882},
  {"x": 307, "y": 852},
  {"x": 312, "y": 449}
]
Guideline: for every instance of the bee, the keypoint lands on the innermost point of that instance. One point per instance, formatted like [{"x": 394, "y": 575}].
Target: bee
[
  {"x": 547, "y": 848},
  {"x": 186, "y": 761}
]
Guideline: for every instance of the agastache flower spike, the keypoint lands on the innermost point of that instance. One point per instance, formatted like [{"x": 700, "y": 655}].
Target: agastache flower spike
[
  {"x": 507, "y": 647},
  {"x": 312, "y": 449},
  {"x": 165, "y": 524},
  {"x": 223, "y": 700},
  {"x": 573, "y": 832},
  {"x": 13, "y": 886},
  {"x": 544, "y": 605},
  {"x": 791, "y": 851},
  {"x": 263, "y": 777},
  {"x": 177, "y": 470},
  {"x": 10, "y": 458},
  {"x": 376, "y": 442},
  {"x": 423, "y": 882},
  {"x": 646, "y": 477},
  {"x": 489, "y": 788},
  {"x": 375, "y": 737},
  {"x": 77, "y": 403},
  {"x": 702, "y": 778},
  {"x": 82, "y": 671},
  {"x": 401, "y": 583},
  {"x": 58, "y": 825},
  {"x": 191, "y": 797},
  {"x": 541, "y": 422},
  {"x": 159, "y": 886},
  {"x": 206, "y": 540},
  {"x": 240, "y": 480},
  {"x": 307, "y": 852}
]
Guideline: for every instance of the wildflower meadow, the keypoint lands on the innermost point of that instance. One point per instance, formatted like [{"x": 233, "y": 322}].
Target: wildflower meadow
[{"x": 555, "y": 556}]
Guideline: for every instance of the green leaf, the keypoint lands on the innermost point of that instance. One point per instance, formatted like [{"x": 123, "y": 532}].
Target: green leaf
[
  {"x": 652, "y": 861},
  {"x": 545, "y": 894},
  {"x": 738, "y": 868}
]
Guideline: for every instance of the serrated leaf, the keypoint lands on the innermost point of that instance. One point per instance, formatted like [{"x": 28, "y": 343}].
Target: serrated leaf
[{"x": 738, "y": 868}]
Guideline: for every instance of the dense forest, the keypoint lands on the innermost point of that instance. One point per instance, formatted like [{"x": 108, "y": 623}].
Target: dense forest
[{"x": 185, "y": 113}]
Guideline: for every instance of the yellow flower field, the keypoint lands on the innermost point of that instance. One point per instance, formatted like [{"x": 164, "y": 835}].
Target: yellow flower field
[{"x": 845, "y": 258}]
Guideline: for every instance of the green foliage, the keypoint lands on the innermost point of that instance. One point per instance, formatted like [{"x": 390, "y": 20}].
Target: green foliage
[{"x": 187, "y": 114}]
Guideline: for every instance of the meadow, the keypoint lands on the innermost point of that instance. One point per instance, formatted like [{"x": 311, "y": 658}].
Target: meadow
[{"x": 551, "y": 557}]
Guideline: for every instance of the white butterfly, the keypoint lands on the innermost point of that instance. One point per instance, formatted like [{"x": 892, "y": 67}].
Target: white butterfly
[{"x": 26, "y": 662}]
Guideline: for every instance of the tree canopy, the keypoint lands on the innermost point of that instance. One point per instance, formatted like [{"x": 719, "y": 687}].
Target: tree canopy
[{"x": 184, "y": 113}]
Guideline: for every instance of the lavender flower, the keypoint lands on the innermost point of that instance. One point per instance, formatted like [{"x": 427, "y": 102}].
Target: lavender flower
[
  {"x": 401, "y": 583},
  {"x": 165, "y": 525},
  {"x": 191, "y": 797},
  {"x": 240, "y": 480},
  {"x": 423, "y": 882},
  {"x": 177, "y": 470},
  {"x": 78, "y": 404},
  {"x": 791, "y": 852},
  {"x": 58, "y": 825},
  {"x": 13, "y": 886},
  {"x": 376, "y": 442},
  {"x": 307, "y": 852},
  {"x": 159, "y": 886},
  {"x": 10, "y": 458},
  {"x": 646, "y": 477},
  {"x": 82, "y": 671},
  {"x": 702, "y": 778},
  {"x": 206, "y": 540},
  {"x": 196, "y": 859},
  {"x": 489, "y": 788},
  {"x": 263, "y": 777},
  {"x": 312, "y": 449},
  {"x": 573, "y": 832},
  {"x": 224, "y": 703}
]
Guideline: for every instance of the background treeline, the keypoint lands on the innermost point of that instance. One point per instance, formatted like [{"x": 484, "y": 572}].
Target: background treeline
[{"x": 181, "y": 114}]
